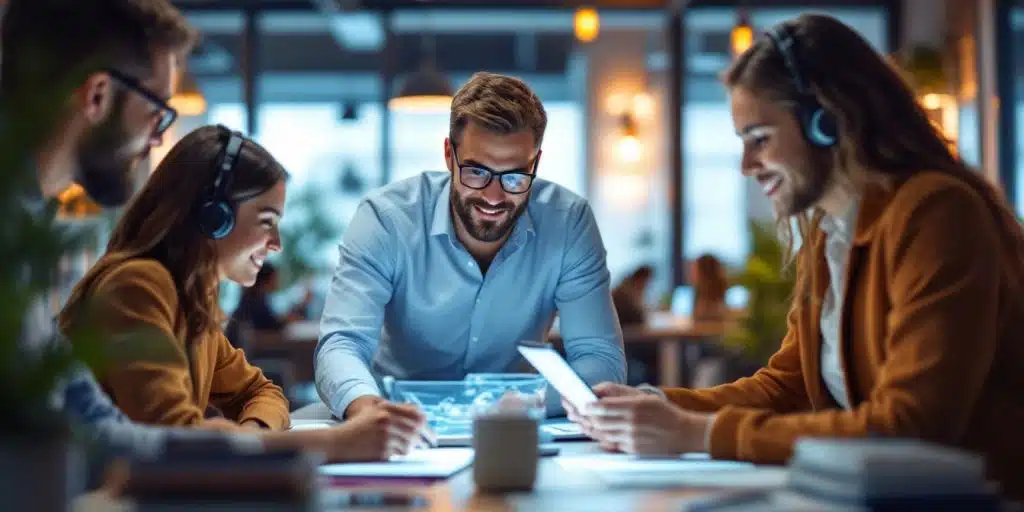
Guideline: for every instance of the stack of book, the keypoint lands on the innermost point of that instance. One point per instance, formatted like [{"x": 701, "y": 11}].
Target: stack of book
[{"x": 880, "y": 474}]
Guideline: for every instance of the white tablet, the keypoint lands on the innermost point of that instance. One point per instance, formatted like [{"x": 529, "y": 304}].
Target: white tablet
[{"x": 558, "y": 373}]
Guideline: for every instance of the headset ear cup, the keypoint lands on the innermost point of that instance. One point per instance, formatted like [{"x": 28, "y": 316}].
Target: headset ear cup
[
  {"x": 820, "y": 127},
  {"x": 216, "y": 219}
]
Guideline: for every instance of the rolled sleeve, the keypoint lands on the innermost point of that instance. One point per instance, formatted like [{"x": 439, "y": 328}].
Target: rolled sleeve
[
  {"x": 589, "y": 325},
  {"x": 354, "y": 311}
]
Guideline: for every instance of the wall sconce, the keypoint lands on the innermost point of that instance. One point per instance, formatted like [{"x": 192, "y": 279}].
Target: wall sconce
[
  {"x": 628, "y": 147},
  {"x": 742, "y": 35},
  {"x": 629, "y": 110},
  {"x": 587, "y": 24}
]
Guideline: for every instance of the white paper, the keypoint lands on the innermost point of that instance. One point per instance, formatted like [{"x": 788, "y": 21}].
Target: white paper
[
  {"x": 620, "y": 463},
  {"x": 434, "y": 463},
  {"x": 311, "y": 424},
  {"x": 692, "y": 469}
]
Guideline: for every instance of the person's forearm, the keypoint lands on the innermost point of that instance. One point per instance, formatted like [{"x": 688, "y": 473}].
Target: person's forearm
[{"x": 341, "y": 375}]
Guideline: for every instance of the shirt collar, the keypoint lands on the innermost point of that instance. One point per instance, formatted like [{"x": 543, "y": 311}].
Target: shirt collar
[
  {"x": 441, "y": 223},
  {"x": 844, "y": 224}
]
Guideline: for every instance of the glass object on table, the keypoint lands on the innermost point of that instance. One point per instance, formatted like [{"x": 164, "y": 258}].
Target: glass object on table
[{"x": 450, "y": 406}]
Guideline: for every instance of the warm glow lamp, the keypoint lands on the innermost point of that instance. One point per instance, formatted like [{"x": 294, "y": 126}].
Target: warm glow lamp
[
  {"x": 742, "y": 35},
  {"x": 587, "y": 24},
  {"x": 188, "y": 100},
  {"x": 424, "y": 91}
]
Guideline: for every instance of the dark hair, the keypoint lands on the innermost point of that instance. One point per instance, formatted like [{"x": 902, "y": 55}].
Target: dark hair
[
  {"x": 710, "y": 283},
  {"x": 499, "y": 103},
  {"x": 885, "y": 136},
  {"x": 160, "y": 222},
  {"x": 52, "y": 43}
]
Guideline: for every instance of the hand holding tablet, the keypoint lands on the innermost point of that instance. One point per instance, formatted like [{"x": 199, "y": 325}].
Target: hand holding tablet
[{"x": 559, "y": 374}]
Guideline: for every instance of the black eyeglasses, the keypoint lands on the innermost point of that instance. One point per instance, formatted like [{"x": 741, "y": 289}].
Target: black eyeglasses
[
  {"x": 516, "y": 181},
  {"x": 166, "y": 112}
]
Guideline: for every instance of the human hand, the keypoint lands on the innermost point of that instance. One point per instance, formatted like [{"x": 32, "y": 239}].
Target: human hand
[
  {"x": 602, "y": 390},
  {"x": 361, "y": 404},
  {"x": 646, "y": 425},
  {"x": 376, "y": 433},
  {"x": 220, "y": 424}
]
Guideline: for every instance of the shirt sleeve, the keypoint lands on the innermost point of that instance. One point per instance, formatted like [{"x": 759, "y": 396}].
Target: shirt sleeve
[
  {"x": 140, "y": 297},
  {"x": 589, "y": 325},
  {"x": 353, "y": 312},
  {"x": 243, "y": 392}
]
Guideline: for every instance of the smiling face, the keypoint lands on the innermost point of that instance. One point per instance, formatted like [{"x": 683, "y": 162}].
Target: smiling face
[
  {"x": 794, "y": 175},
  {"x": 241, "y": 254},
  {"x": 122, "y": 135},
  {"x": 486, "y": 216}
]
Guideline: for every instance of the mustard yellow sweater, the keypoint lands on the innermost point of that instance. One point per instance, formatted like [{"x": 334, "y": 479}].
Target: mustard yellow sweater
[{"x": 141, "y": 294}]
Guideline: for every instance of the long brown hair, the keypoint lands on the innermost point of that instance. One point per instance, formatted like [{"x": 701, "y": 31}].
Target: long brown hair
[
  {"x": 885, "y": 135},
  {"x": 710, "y": 283},
  {"x": 160, "y": 223}
]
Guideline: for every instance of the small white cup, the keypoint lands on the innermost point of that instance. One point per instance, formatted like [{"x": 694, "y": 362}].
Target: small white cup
[{"x": 506, "y": 451}]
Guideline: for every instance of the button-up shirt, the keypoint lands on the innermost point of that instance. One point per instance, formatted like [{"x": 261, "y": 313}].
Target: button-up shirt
[
  {"x": 409, "y": 296},
  {"x": 838, "y": 241}
]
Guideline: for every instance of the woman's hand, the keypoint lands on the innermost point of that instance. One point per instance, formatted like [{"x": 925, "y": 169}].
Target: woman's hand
[
  {"x": 603, "y": 390},
  {"x": 377, "y": 434},
  {"x": 646, "y": 424}
]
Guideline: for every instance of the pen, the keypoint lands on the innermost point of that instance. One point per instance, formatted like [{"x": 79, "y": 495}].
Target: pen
[
  {"x": 728, "y": 499},
  {"x": 426, "y": 435}
]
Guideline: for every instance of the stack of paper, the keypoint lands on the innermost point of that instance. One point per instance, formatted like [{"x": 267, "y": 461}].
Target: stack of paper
[{"x": 433, "y": 463}]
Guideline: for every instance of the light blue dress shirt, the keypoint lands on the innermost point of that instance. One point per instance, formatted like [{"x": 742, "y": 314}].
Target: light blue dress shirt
[{"x": 408, "y": 296}]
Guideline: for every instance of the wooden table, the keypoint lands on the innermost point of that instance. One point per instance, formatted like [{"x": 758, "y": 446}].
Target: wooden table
[
  {"x": 671, "y": 333},
  {"x": 556, "y": 490}
]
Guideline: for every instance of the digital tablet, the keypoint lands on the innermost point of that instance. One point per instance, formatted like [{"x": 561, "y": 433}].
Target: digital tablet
[{"x": 558, "y": 373}]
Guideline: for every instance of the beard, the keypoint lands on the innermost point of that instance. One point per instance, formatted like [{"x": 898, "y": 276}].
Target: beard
[
  {"x": 105, "y": 168},
  {"x": 485, "y": 230},
  {"x": 808, "y": 184}
]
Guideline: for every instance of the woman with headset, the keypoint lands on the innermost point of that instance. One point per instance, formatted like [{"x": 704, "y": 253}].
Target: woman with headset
[
  {"x": 209, "y": 212},
  {"x": 906, "y": 316}
]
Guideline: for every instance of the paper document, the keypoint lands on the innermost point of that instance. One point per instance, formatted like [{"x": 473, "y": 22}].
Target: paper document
[
  {"x": 434, "y": 463},
  {"x": 690, "y": 470},
  {"x": 619, "y": 463},
  {"x": 312, "y": 424}
]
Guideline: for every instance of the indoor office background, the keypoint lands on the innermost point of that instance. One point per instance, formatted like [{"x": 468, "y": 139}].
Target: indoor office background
[
  {"x": 638, "y": 121},
  {"x": 316, "y": 82}
]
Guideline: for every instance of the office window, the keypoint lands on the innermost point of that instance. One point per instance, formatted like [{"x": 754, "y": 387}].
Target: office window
[
  {"x": 1017, "y": 22},
  {"x": 320, "y": 150},
  {"x": 718, "y": 200}
]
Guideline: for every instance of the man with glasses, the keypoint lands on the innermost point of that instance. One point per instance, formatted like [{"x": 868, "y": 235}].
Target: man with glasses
[
  {"x": 442, "y": 274},
  {"x": 84, "y": 85}
]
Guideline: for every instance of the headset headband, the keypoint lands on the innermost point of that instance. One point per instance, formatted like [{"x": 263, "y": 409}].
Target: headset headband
[
  {"x": 784, "y": 43},
  {"x": 227, "y": 165}
]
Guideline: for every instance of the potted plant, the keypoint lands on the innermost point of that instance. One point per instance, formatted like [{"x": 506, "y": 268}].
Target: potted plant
[
  {"x": 769, "y": 281},
  {"x": 39, "y": 451},
  {"x": 309, "y": 229}
]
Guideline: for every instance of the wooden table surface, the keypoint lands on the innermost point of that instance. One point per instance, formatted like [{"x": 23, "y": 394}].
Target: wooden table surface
[{"x": 557, "y": 490}]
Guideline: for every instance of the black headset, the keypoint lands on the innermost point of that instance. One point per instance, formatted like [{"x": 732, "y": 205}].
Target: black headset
[
  {"x": 819, "y": 126},
  {"x": 216, "y": 214}
]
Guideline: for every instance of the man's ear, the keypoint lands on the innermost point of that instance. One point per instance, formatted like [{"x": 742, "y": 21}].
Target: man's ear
[
  {"x": 448, "y": 160},
  {"x": 95, "y": 97}
]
